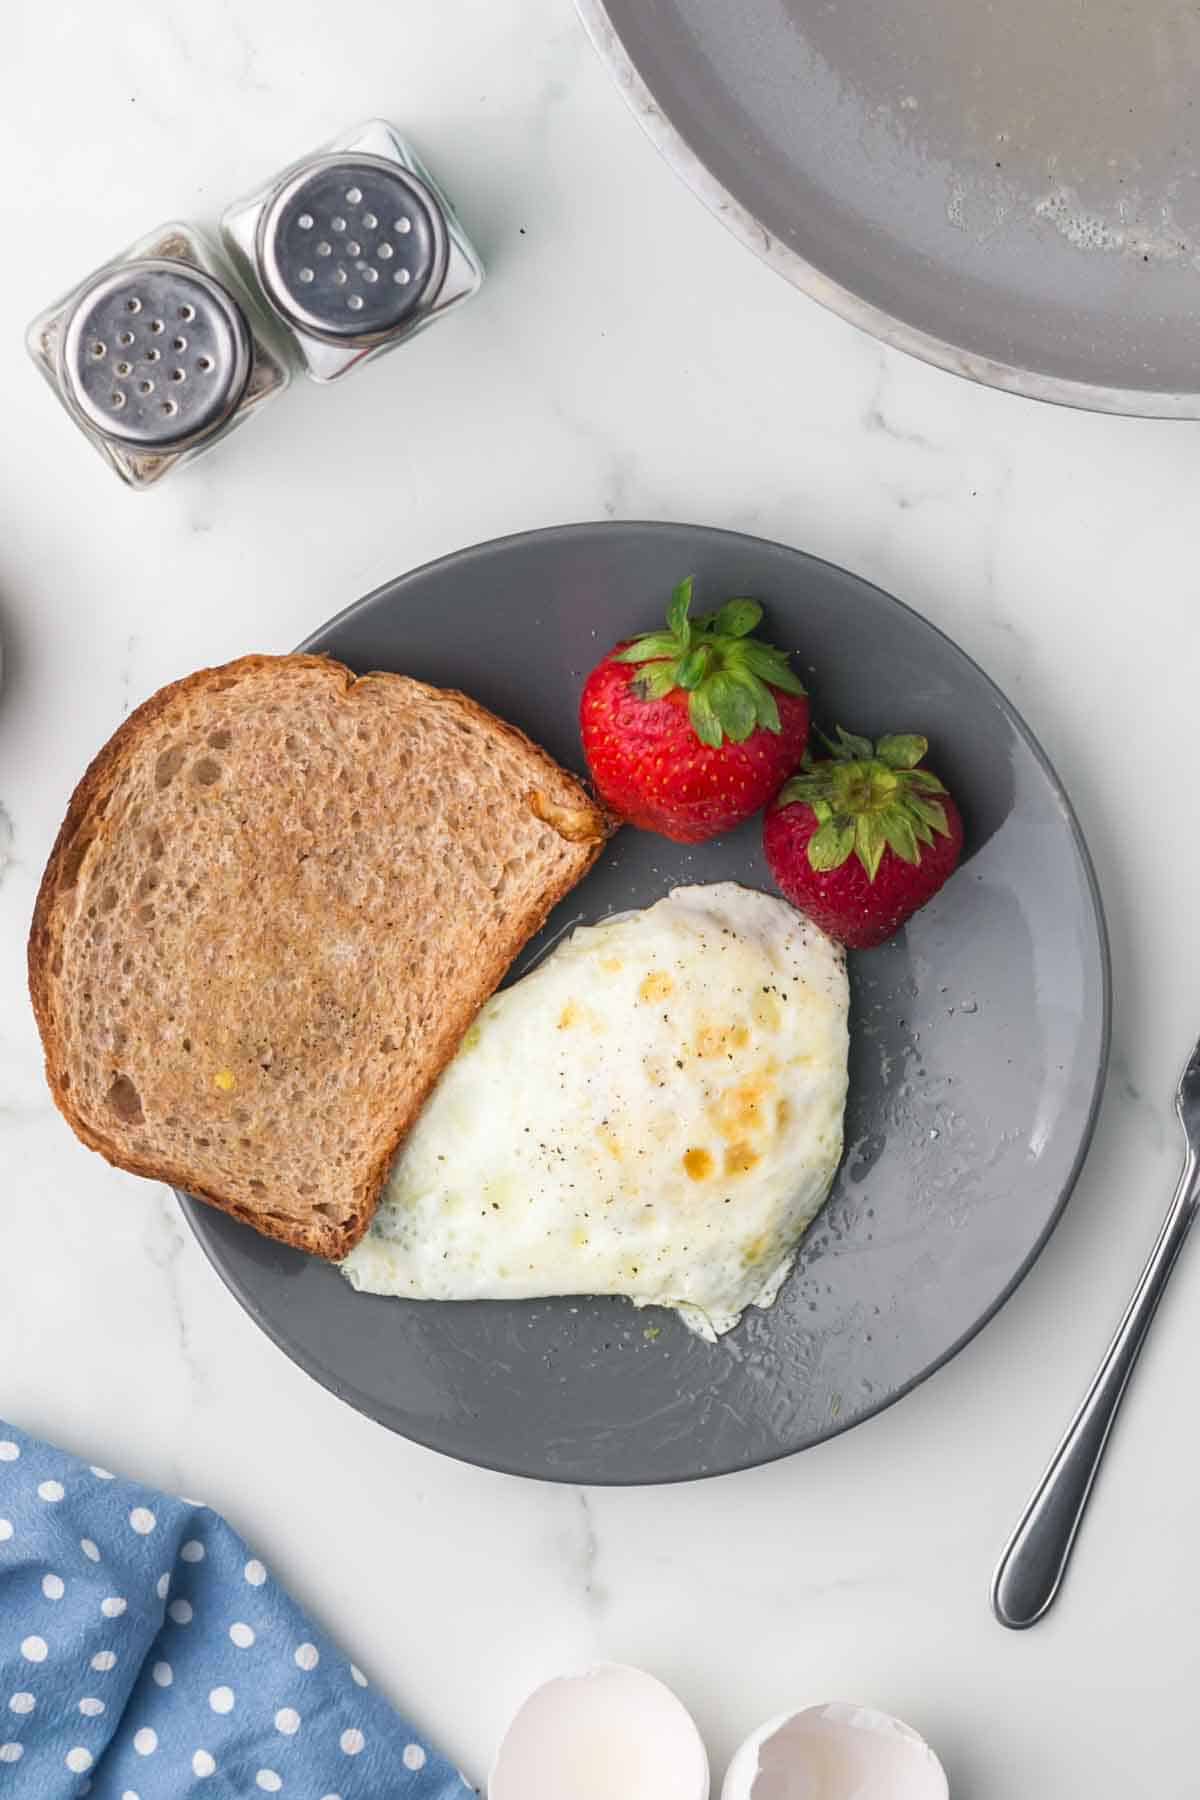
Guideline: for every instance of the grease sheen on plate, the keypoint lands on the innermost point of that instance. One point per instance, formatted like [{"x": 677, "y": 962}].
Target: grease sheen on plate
[{"x": 978, "y": 1042}]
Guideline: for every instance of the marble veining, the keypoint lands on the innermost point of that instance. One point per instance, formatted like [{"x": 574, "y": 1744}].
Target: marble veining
[
  {"x": 165, "y": 1240},
  {"x": 590, "y": 1584},
  {"x": 6, "y": 840},
  {"x": 627, "y": 358}
]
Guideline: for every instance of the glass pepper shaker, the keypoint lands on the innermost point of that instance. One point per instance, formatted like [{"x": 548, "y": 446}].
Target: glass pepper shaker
[
  {"x": 156, "y": 355},
  {"x": 354, "y": 249}
]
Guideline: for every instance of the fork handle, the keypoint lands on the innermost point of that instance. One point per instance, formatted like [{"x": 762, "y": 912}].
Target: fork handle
[{"x": 1031, "y": 1570}]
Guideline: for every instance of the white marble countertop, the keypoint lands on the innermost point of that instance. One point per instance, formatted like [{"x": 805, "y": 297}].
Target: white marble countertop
[{"x": 627, "y": 359}]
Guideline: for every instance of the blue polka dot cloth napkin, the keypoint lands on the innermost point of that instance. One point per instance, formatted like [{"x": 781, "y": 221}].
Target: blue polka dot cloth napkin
[{"x": 146, "y": 1654}]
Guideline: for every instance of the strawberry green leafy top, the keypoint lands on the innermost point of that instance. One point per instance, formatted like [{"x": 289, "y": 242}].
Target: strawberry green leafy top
[
  {"x": 869, "y": 798},
  {"x": 726, "y": 672}
]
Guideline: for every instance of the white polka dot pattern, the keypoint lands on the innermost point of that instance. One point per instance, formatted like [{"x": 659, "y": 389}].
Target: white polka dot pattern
[{"x": 111, "y": 1580}]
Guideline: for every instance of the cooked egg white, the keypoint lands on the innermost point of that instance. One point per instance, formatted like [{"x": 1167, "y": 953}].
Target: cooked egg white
[{"x": 654, "y": 1111}]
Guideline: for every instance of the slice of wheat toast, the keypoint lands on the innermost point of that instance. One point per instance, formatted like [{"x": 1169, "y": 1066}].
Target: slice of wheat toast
[{"x": 278, "y": 899}]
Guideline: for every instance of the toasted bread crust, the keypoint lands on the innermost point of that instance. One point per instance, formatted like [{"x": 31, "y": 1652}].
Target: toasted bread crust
[{"x": 87, "y": 834}]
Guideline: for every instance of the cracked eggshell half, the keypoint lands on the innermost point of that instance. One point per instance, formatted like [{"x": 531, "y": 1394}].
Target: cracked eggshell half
[
  {"x": 613, "y": 1733},
  {"x": 835, "y": 1752}
]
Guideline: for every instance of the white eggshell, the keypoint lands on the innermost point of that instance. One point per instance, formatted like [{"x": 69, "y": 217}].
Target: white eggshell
[
  {"x": 613, "y": 1733},
  {"x": 835, "y": 1752}
]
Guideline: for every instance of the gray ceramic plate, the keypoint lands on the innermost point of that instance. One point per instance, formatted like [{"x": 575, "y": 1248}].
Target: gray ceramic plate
[
  {"x": 1010, "y": 191},
  {"x": 979, "y": 1039}
]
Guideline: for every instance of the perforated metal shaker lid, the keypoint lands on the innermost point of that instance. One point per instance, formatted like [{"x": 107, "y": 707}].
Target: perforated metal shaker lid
[
  {"x": 349, "y": 246},
  {"x": 155, "y": 353}
]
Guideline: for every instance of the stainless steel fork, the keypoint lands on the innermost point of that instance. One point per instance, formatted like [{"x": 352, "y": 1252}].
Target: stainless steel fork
[{"x": 1030, "y": 1572}]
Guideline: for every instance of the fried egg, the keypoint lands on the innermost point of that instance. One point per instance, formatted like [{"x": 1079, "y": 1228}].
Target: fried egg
[{"x": 655, "y": 1110}]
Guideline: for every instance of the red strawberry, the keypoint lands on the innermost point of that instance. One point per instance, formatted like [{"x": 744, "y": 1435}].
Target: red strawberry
[
  {"x": 861, "y": 840},
  {"x": 689, "y": 731}
]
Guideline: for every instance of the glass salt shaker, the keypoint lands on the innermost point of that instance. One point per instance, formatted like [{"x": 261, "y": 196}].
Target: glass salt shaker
[
  {"x": 156, "y": 356},
  {"x": 354, "y": 248}
]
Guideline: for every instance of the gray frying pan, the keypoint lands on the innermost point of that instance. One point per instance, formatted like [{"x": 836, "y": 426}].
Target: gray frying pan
[{"x": 1007, "y": 188}]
